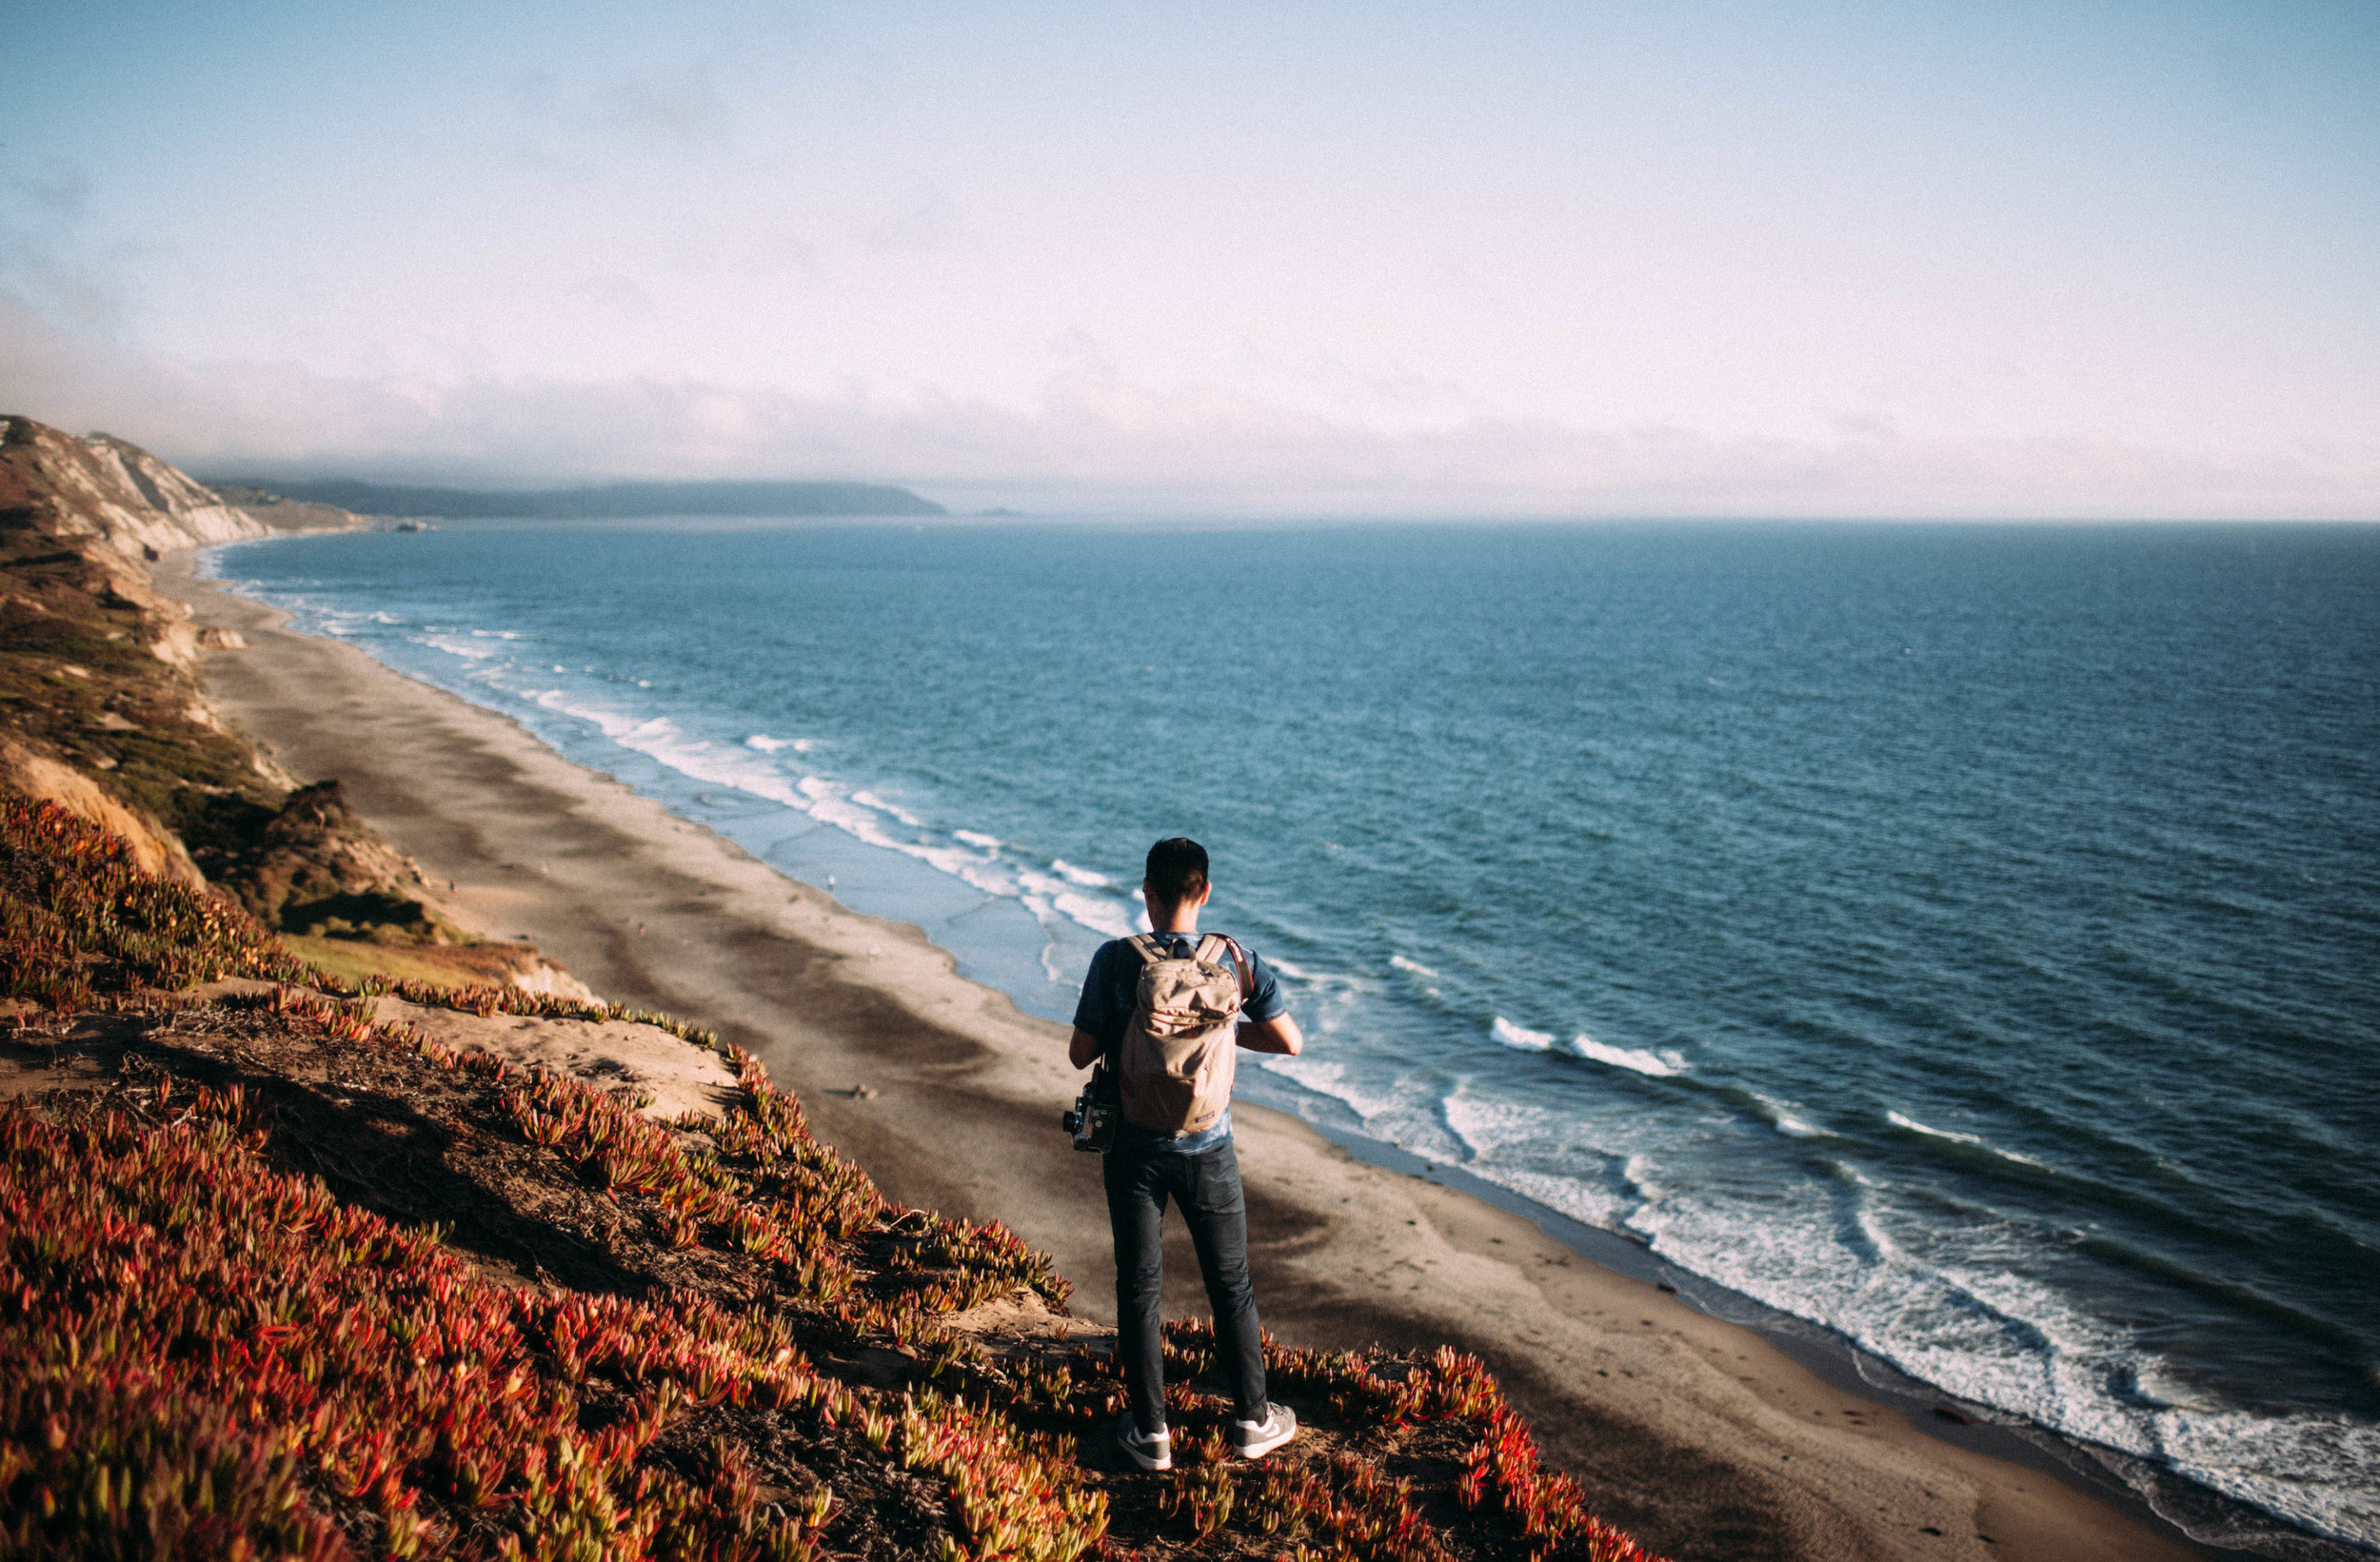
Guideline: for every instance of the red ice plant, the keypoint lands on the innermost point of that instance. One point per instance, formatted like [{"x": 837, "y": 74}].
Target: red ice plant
[
  {"x": 226, "y": 1319},
  {"x": 213, "y": 1359},
  {"x": 77, "y": 915}
]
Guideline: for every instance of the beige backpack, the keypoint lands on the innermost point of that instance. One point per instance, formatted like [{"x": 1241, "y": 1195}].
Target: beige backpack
[{"x": 1179, "y": 1050}]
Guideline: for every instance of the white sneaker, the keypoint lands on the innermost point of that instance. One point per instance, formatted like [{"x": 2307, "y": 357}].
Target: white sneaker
[
  {"x": 1154, "y": 1451},
  {"x": 1255, "y": 1439}
]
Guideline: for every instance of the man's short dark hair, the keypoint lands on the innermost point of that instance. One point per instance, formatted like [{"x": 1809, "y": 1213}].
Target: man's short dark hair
[{"x": 1177, "y": 870}]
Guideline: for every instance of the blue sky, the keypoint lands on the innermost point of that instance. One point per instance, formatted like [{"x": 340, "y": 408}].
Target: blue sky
[{"x": 1911, "y": 259}]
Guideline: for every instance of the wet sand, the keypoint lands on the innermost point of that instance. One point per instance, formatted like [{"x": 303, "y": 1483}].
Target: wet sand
[{"x": 1699, "y": 1436}]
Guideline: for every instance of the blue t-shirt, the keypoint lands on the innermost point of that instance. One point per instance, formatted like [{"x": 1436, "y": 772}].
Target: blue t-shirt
[{"x": 1112, "y": 986}]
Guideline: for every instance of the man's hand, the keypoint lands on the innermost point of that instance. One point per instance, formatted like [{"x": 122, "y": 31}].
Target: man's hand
[
  {"x": 1084, "y": 1049},
  {"x": 1281, "y": 1036}
]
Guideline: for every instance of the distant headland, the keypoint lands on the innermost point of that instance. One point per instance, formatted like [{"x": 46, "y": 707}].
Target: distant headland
[{"x": 594, "y": 503}]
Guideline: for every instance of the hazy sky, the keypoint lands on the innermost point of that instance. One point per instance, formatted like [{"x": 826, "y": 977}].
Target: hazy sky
[{"x": 1809, "y": 258}]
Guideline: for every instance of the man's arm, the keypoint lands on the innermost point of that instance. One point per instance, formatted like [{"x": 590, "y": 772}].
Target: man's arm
[
  {"x": 1084, "y": 1049},
  {"x": 1279, "y": 1035}
]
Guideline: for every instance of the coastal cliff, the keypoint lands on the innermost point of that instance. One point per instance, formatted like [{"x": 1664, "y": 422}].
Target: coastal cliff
[
  {"x": 79, "y": 515},
  {"x": 101, "y": 711},
  {"x": 105, "y": 488},
  {"x": 97, "y": 664}
]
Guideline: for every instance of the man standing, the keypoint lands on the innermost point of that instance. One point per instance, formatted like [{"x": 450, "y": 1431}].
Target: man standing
[{"x": 1197, "y": 1170}]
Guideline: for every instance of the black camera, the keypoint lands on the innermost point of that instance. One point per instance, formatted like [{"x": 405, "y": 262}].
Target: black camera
[{"x": 1093, "y": 1120}]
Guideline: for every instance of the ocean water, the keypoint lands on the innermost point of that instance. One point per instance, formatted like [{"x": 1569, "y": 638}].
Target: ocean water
[{"x": 1963, "y": 938}]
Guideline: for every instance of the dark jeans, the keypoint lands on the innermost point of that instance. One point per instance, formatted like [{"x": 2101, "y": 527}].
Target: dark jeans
[{"x": 1207, "y": 1189}]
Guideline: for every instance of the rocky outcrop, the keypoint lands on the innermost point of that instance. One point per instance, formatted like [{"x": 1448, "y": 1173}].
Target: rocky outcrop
[
  {"x": 101, "y": 714},
  {"x": 100, "y": 707},
  {"x": 58, "y": 485},
  {"x": 316, "y": 867},
  {"x": 104, "y": 507}
]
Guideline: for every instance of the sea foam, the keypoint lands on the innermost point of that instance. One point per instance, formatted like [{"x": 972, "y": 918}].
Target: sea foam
[
  {"x": 1637, "y": 1060},
  {"x": 1783, "y": 1119},
  {"x": 1514, "y": 1036},
  {"x": 1976, "y": 1140},
  {"x": 464, "y": 648}
]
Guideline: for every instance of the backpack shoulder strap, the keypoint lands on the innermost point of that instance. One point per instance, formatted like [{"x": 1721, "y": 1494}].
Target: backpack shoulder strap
[
  {"x": 1150, "y": 947},
  {"x": 1210, "y": 946},
  {"x": 1238, "y": 960}
]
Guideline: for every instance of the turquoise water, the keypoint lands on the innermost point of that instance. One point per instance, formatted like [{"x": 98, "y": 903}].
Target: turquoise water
[{"x": 1965, "y": 938}]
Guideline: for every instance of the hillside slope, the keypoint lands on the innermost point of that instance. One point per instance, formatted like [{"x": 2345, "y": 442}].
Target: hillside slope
[
  {"x": 282, "y": 1278},
  {"x": 102, "y": 714}
]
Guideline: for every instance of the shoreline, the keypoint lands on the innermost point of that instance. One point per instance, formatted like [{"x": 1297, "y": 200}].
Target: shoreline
[{"x": 1703, "y": 1437}]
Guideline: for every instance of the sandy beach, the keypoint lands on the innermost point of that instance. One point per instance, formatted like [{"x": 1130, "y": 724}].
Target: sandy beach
[{"x": 1699, "y": 1437}]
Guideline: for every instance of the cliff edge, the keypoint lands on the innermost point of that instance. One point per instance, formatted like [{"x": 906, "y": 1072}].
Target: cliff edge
[{"x": 102, "y": 714}]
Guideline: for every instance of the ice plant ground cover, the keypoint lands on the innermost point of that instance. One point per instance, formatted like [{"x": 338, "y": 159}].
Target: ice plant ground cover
[{"x": 279, "y": 1282}]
